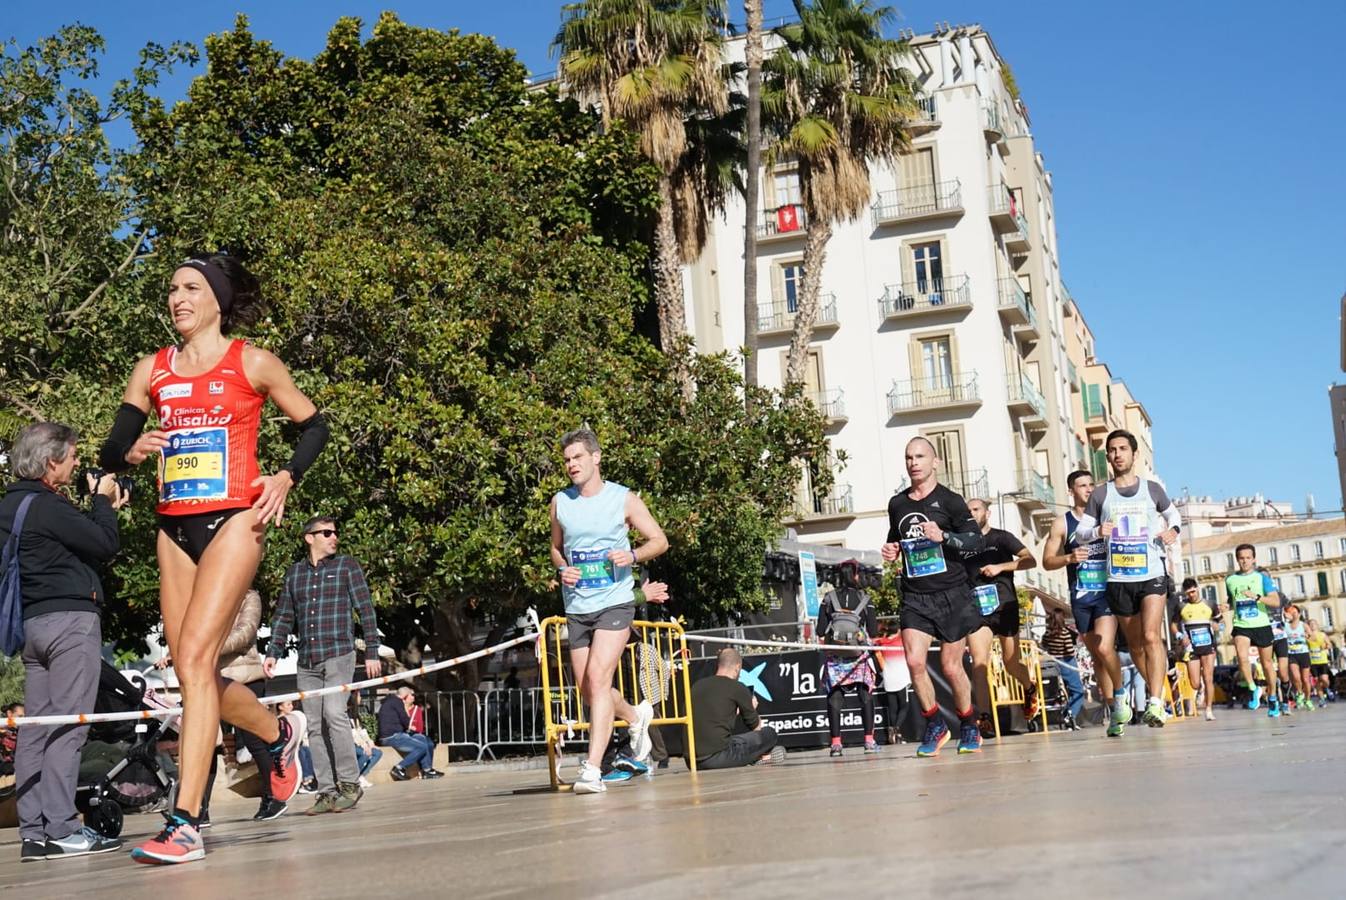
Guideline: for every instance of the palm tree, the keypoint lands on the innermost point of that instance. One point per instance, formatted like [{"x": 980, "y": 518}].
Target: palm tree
[
  {"x": 658, "y": 66},
  {"x": 836, "y": 100},
  {"x": 751, "y": 189}
]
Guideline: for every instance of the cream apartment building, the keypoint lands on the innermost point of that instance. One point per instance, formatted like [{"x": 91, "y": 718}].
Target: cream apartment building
[{"x": 943, "y": 313}]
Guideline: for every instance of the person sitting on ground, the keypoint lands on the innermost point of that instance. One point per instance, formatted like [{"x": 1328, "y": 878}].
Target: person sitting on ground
[
  {"x": 726, "y": 727},
  {"x": 847, "y": 617},
  {"x": 395, "y": 731}
]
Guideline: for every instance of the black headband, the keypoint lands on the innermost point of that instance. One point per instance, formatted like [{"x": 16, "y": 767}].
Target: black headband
[{"x": 215, "y": 277}]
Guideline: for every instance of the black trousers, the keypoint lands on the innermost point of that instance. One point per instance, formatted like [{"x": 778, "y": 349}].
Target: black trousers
[
  {"x": 743, "y": 750},
  {"x": 837, "y": 697}
]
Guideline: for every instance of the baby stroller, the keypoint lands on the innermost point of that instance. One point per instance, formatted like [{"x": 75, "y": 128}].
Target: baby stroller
[{"x": 137, "y": 779}]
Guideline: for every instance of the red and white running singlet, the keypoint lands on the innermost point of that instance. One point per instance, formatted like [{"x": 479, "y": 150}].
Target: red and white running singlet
[{"x": 212, "y": 420}]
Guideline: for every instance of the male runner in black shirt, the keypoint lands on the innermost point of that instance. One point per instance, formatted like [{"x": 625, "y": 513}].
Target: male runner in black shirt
[
  {"x": 991, "y": 571},
  {"x": 937, "y": 603}
]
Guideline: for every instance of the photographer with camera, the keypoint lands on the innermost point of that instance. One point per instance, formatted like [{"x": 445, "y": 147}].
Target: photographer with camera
[{"x": 59, "y": 550}]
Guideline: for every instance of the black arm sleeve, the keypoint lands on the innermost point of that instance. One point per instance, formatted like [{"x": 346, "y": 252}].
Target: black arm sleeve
[
  {"x": 965, "y": 534},
  {"x": 126, "y": 427},
  {"x": 313, "y": 436}
]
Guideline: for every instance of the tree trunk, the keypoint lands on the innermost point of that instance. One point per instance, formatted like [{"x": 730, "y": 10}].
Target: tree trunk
[
  {"x": 815, "y": 253},
  {"x": 668, "y": 275},
  {"x": 751, "y": 190}
]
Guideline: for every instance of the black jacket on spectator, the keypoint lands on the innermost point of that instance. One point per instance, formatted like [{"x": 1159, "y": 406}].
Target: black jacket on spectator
[
  {"x": 393, "y": 717},
  {"x": 61, "y": 548}
]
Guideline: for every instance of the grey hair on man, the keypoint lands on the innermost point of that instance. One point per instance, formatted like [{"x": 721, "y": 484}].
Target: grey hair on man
[{"x": 39, "y": 444}]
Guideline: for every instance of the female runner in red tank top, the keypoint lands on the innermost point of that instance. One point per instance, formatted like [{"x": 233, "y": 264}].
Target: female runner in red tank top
[{"x": 214, "y": 506}]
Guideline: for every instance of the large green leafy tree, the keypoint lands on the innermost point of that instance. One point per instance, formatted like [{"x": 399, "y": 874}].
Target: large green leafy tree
[
  {"x": 73, "y": 245},
  {"x": 453, "y": 265}
]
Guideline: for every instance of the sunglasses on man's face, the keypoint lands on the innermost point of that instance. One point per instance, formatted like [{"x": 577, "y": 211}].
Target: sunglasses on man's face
[{"x": 325, "y": 532}]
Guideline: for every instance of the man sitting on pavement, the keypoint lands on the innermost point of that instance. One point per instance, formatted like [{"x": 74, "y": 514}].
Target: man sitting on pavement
[
  {"x": 724, "y": 709},
  {"x": 395, "y": 731}
]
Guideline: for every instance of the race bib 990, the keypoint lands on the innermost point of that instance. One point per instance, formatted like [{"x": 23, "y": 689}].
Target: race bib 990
[
  {"x": 195, "y": 465},
  {"x": 596, "y": 570},
  {"x": 922, "y": 557}
]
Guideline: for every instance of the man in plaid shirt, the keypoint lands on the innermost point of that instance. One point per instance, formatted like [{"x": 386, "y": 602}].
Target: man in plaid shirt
[{"x": 316, "y": 603}]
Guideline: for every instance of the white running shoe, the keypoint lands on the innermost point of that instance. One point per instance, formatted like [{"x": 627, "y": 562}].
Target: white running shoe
[
  {"x": 1210, "y": 716},
  {"x": 641, "y": 744},
  {"x": 589, "y": 780},
  {"x": 366, "y": 783}
]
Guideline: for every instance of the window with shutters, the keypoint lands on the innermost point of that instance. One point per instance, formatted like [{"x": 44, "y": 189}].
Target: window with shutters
[
  {"x": 1317, "y": 549},
  {"x": 1294, "y": 553},
  {"x": 1205, "y": 565},
  {"x": 1274, "y": 556},
  {"x": 1323, "y": 590}
]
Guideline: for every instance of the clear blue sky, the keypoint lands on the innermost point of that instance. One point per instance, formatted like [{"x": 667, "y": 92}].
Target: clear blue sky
[{"x": 1200, "y": 191}]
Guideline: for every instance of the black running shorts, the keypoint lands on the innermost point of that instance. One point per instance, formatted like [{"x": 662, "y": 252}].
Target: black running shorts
[
  {"x": 1281, "y": 647},
  {"x": 946, "y": 615},
  {"x": 1004, "y": 622},
  {"x": 1124, "y": 597},
  {"x": 1261, "y": 636},
  {"x": 1321, "y": 669},
  {"x": 194, "y": 531},
  {"x": 1301, "y": 660}
]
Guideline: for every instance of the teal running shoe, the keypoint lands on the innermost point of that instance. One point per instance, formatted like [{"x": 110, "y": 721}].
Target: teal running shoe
[{"x": 936, "y": 736}]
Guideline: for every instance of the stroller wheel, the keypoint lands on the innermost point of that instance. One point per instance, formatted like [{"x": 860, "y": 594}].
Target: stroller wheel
[{"x": 105, "y": 818}]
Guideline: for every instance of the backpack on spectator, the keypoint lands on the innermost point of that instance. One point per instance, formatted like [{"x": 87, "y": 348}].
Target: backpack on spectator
[
  {"x": 11, "y": 599},
  {"x": 847, "y": 625}
]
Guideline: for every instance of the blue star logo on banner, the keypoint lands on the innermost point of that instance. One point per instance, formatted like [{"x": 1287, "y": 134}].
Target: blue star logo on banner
[{"x": 753, "y": 679}]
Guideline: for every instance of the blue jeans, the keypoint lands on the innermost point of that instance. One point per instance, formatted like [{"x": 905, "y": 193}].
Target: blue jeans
[
  {"x": 305, "y": 762},
  {"x": 1070, "y": 677},
  {"x": 367, "y": 761},
  {"x": 416, "y": 749}
]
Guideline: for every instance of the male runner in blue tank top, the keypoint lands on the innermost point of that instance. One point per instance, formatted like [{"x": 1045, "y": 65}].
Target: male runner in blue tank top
[
  {"x": 590, "y": 546},
  {"x": 1086, "y": 575},
  {"x": 1139, "y": 523}
]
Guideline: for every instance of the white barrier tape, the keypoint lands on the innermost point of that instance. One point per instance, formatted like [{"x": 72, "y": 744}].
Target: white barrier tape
[
  {"x": 800, "y": 645},
  {"x": 142, "y": 714}
]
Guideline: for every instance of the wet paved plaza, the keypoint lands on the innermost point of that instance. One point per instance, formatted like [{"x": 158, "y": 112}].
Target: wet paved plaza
[{"x": 1244, "y": 806}]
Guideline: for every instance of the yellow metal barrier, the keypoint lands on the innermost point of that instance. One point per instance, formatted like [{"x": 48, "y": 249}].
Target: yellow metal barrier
[
  {"x": 1186, "y": 692},
  {"x": 653, "y": 667},
  {"x": 1006, "y": 689}
]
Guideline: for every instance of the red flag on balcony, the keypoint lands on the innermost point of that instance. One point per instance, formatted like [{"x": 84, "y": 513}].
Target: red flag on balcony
[{"x": 787, "y": 218}]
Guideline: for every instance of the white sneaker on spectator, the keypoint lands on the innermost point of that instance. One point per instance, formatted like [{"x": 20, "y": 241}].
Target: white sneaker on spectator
[
  {"x": 365, "y": 782},
  {"x": 641, "y": 744},
  {"x": 589, "y": 780}
]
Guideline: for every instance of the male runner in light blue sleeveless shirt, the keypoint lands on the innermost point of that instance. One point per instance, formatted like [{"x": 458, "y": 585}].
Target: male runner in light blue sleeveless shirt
[
  {"x": 591, "y": 549},
  {"x": 1140, "y": 523}
]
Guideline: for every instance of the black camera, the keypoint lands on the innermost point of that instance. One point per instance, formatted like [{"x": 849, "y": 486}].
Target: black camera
[{"x": 125, "y": 483}]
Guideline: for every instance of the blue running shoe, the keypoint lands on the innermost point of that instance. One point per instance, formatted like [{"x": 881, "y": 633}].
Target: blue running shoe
[
  {"x": 617, "y": 776},
  {"x": 1256, "y": 699},
  {"x": 1273, "y": 708},
  {"x": 627, "y": 764},
  {"x": 936, "y": 736},
  {"x": 970, "y": 741}
]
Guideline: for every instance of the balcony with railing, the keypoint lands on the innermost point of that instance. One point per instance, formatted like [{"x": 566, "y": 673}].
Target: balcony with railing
[
  {"x": 1095, "y": 417},
  {"x": 1016, "y": 307},
  {"x": 959, "y": 389},
  {"x": 927, "y": 115},
  {"x": 1033, "y": 490},
  {"x": 1025, "y": 398},
  {"x": 925, "y": 297},
  {"x": 839, "y": 504},
  {"x": 1007, "y": 217},
  {"x": 919, "y": 201},
  {"x": 782, "y": 223},
  {"x": 1073, "y": 375},
  {"x": 778, "y": 317},
  {"x": 967, "y": 483},
  {"x": 832, "y": 405},
  {"x": 991, "y": 121}
]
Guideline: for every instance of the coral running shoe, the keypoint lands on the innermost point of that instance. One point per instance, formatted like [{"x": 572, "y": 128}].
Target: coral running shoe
[
  {"x": 179, "y": 842},
  {"x": 936, "y": 736},
  {"x": 285, "y": 762}
]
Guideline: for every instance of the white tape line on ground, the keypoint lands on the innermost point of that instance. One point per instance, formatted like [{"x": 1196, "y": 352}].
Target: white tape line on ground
[{"x": 141, "y": 714}]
